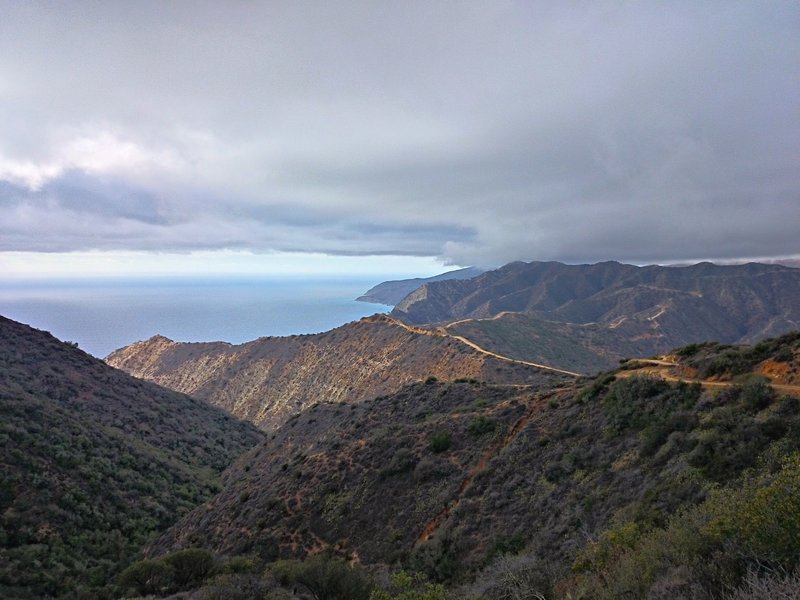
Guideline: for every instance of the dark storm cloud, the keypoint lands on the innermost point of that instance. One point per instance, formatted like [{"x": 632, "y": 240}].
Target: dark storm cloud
[{"x": 479, "y": 132}]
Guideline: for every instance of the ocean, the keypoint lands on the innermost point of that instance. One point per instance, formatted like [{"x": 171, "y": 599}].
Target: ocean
[{"x": 103, "y": 315}]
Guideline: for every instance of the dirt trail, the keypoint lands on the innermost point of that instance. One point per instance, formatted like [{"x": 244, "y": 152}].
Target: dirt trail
[
  {"x": 442, "y": 331},
  {"x": 494, "y": 318},
  {"x": 661, "y": 368},
  {"x": 485, "y": 458},
  {"x": 475, "y": 346}
]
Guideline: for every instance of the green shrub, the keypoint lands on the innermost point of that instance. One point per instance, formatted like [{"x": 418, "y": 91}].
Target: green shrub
[
  {"x": 598, "y": 387},
  {"x": 756, "y": 394},
  {"x": 325, "y": 578},
  {"x": 480, "y": 425},
  {"x": 404, "y": 586},
  {"x": 639, "y": 402},
  {"x": 402, "y": 462},
  {"x": 689, "y": 350},
  {"x": 238, "y": 565},
  {"x": 704, "y": 550},
  {"x": 762, "y": 516},
  {"x": 439, "y": 441},
  {"x": 190, "y": 567},
  {"x": 147, "y": 577}
]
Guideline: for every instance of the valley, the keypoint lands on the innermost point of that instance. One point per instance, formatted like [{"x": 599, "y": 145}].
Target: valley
[
  {"x": 399, "y": 300},
  {"x": 385, "y": 446}
]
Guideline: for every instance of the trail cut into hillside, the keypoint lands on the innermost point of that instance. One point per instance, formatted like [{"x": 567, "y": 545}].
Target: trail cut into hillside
[{"x": 268, "y": 380}]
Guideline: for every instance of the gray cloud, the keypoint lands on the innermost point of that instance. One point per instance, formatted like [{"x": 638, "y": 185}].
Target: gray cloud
[{"x": 479, "y": 132}]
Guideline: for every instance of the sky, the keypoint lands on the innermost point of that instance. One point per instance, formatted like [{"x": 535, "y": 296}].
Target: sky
[{"x": 321, "y": 136}]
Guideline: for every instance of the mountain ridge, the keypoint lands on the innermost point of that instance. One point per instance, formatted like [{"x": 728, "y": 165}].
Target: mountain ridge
[
  {"x": 624, "y": 309},
  {"x": 392, "y": 292},
  {"x": 268, "y": 380}
]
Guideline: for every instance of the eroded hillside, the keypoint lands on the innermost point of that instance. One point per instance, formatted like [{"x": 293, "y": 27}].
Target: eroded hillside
[{"x": 270, "y": 379}]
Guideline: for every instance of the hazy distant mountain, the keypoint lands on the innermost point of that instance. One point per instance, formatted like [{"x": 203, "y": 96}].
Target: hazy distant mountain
[
  {"x": 609, "y": 309},
  {"x": 94, "y": 463},
  {"x": 267, "y": 380},
  {"x": 392, "y": 292}
]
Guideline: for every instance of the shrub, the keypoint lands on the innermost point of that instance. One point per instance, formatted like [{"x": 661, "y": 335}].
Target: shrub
[
  {"x": 689, "y": 350},
  {"x": 238, "y": 586},
  {"x": 706, "y": 549},
  {"x": 756, "y": 394},
  {"x": 405, "y": 586},
  {"x": 439, "y": 441},
  {"x": 147, "y": 577},
  {"x": 429, "y": 469},
  {"x": 512, "y": 578},
  {"x": 402, "y": 462},
  {"x": 481, "y": 425},
  {"x": 325, "y": 578},
  {"x": 238, "y": 565},
  {"x": 190, "y": 567},
  {"x": 762, "y": 516},
  {"x": 438, "y": 557},
  {"x": 639, "y": 402},
  {"x": 768, "y": 586},
  {"x": 598, "y": 386}
]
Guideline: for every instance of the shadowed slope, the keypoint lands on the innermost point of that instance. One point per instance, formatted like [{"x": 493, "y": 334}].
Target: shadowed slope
[{"x": 94, "y": 462}]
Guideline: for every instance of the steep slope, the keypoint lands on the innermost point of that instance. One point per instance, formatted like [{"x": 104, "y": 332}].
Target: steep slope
[
  {"x": 392, "y": 292},
  {"x": 442, "y": 477},
  {"x": 611, "y": 310},
  {"x": 585, "y": 348},
  {"x": 94, "y": 462},
  {"x": 269, "y": 379}
]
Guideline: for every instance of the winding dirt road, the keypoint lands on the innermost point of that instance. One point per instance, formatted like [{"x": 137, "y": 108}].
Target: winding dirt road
[{"x": 442, "y": 331}]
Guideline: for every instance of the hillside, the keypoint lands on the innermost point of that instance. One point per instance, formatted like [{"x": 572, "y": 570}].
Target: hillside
[
  {"x": 270, "y": 379},
  {"x": 590, "y": 316},
  {"x": 585, "y": 348},
  {"x": 392, "y": 292},
  {"x": 622, "y": 486},
  {"x": 94, "y": 463}
]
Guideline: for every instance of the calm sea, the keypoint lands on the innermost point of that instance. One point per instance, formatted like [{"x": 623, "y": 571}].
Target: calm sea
[{"x": 102, "y": 316}]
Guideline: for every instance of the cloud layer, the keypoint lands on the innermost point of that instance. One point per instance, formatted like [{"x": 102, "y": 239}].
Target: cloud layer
[{"x": 479, "y": 132}]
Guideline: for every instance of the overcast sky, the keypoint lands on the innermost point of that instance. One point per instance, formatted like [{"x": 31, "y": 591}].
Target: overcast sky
[{"x": 455, "y": 132}]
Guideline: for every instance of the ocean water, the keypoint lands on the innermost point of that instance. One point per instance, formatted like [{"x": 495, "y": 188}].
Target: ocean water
[{"x": 103, "y": 315}]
